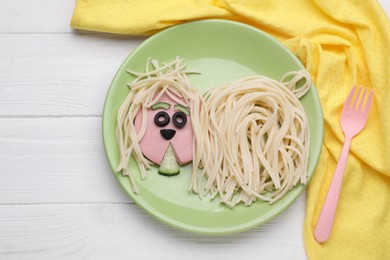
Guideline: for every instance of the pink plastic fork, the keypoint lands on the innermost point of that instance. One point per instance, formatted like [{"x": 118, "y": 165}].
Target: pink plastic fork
[{"x": 353, "y": 118}]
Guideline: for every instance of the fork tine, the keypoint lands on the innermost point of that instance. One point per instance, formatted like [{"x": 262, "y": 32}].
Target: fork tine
[
  {"x": 355, "y": 101},
  {"x": 369, "y": 101},
  {"x": 361, "y": 102}
]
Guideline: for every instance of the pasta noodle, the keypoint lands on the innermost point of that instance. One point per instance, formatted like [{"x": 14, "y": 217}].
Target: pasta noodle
[
  {"x": 251, "y": 137},
  {"x": 258, "y": 138}
]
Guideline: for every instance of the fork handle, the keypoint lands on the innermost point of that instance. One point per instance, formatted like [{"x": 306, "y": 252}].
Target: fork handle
[{"x": 325, "y": 220}]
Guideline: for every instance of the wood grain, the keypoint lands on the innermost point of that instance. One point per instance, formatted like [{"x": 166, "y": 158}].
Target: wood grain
[
  {"x": 123, "y": 231},
  {"x": 50, "y": 160},
  {"x": 44, "y": 16},
  {"x": 52, "y": 75}
]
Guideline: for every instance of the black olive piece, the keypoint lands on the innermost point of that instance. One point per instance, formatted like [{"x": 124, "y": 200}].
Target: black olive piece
[
  {"x": 161, "y": 119},
  {"x": 168, "y": 134},
  {"x": 179, "y": 119}
]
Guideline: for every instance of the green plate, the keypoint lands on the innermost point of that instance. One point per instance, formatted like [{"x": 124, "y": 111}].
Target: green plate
[{"x": 222, "y": 51}]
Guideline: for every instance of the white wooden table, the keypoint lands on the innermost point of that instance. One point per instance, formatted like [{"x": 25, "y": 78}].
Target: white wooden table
[{"x": 58, "y": 198}]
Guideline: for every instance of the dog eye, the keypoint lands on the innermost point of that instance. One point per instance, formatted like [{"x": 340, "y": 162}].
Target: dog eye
[
  {"x": 161, "y": 119},
  {"x": 179, "y": 119}
]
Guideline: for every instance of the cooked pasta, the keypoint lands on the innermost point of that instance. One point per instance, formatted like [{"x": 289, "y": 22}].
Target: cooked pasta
[
  {"x": 251, "y": 137},
  {"x": 258, "y": 139}
]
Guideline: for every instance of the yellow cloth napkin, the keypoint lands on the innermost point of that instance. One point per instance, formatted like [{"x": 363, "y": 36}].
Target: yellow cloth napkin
[{"x": 341, "y": 43}]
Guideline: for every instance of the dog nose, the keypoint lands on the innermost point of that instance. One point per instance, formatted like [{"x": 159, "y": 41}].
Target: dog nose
[{"x": 168, "y": 134}]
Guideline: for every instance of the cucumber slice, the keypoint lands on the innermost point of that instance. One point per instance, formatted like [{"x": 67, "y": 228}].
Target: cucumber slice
[
  {"x": 161, "y": 105},
  {"x": 169, "y": 165},
  {"x": 182, "y": 109}
]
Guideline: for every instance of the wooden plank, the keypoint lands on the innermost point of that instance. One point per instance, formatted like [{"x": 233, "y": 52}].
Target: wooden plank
[
  {"x": 59, "y": 74},
  {"x": 44, "y": 16},
  {"x": 49, "y": 160},
  {"x": 124, "y": 231}
]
